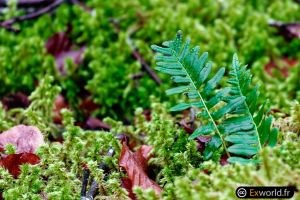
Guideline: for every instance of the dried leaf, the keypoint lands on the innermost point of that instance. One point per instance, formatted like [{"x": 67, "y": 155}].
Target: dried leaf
[
  {"x": 59, "y": 103},
  {"x": 15, "y": 100},
  {"x": 147, "y": 114},
  {"x": 223, "y": 160},
  {"x": 189, "y": 129},
  {"x": 12, "y": 162},
  {"x": 288, "y": 30},
  {"x": 282, "y": 65},
  {"x": 96, "y": 124},
  {"x": 25, "y": 138},
  {"x": 126, "y": 183},
  {"x": 61, "y": 47},
  {"x": 135, "y": 165},
  {"x": 87, "y": 106}
]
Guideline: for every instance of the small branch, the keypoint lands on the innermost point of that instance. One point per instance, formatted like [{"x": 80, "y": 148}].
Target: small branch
[
  {"x": 46, "y": 9},
  {"x": 85, "y": 180},
  {"x": 137, "y": 76},
  {"x": 135, "y": 52},
  {"x": 94, "y": 187},
  {"x": 33, "y": 15},
  {"x": 27, "y": 3},
  {"x": 145, "y": 66}
]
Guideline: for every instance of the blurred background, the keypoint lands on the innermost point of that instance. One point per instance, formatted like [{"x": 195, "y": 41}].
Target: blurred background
[{"x": 98, "y": 51}]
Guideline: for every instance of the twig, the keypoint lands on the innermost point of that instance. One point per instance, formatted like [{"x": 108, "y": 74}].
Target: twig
[
  {"x": 135, "y": 52},
  {"x": 94, "y": 187},
  {"x": 27, "y": 3},
  {"x": 137, "y": 76},
  {"x": 48, "y": 7},
  {"x": 145, "y": 66},
  {"x": 85, "y": 180},
  {"x": 33, "y": 15}
]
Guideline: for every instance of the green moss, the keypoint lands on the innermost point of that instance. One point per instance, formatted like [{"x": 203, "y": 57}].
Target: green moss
[{"x": 222, "y": 27}]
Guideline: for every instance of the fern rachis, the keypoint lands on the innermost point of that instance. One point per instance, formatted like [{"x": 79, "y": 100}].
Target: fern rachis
[{"x": 236, "y": 129}]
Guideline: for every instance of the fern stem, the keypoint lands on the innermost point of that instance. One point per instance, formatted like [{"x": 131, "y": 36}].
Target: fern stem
[{"x": 207, "y": 111}]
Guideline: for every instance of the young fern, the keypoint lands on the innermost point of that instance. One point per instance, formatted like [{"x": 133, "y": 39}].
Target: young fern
[
  {"x": 226, "y": 113},
  {"x": 251, "y": 129}
]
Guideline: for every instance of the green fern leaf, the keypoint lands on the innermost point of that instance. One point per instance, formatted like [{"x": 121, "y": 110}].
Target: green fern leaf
[
  {"x": 195, "y": 70},
  {"x": 253, "y": 132},
  {"x": 231, "y": 113}
]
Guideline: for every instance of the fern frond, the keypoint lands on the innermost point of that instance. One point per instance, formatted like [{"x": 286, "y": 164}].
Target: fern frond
[
  {"x": 247, "y": 134},
  {"x": 230, "y": 113},
  {"x": 192, "y": 72}
]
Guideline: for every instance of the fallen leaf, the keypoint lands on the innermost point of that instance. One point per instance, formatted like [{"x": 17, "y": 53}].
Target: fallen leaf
[
  {"x": 147, "y": 114},
  {"x": 60, "y": 46},
  {"x": 288, "y": 30},
  {"x": 188, "y": 128},
  {"x": 96, "y": 124},
  {"x": 201, "y": 142},
  {"x": 59, "y": 103},
  {"x": 126, "y": 183},
  {"x": 135, "y": 165},
  {"x": 145, "y": 151},
  {"x": 12, "y": 162},
  {"x": 283, "y": 65},
  {"x": 25, "y": 138},
  {"x": 223, "y": 160},
  {"x": 87, "y": 106},
  {"x": 15, "y": 100}
]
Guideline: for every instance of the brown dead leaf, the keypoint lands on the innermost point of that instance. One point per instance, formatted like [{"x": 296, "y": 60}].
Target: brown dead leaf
[
  {"x": 61, "y": 47},
  {"x": 12, "y": 162},
  {"x": 135, "y": 165}
]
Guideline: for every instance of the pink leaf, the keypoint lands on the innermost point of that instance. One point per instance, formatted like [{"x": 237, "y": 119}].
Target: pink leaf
[
  {"x": 61, "y": 47},
  {"x": 24, "y": 138}
]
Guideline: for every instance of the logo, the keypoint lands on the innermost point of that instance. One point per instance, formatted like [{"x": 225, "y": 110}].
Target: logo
[
  {"x": 241, "y": 192},
  {"x": 256, "y": 192}
]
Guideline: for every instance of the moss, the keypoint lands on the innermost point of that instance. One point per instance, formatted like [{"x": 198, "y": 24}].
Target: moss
[
  {"x": 222, "y": 182},
  {"x": 105, "y": 74}
]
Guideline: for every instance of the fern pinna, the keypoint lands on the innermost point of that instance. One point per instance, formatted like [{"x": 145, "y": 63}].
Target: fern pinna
[{"x": 229, "y": 114}]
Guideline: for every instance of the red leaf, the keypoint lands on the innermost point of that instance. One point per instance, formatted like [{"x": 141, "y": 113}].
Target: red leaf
[
  {"x": 189, "y": 129},
  {"x": 24, "y": 138},
  {"x": 94, "y": 124},
  {"x": 223, "y": 160},
  {"x": 282, "y": 65},
  {"x": 147, "y": 114},
  {"x": 12, "y": 162},
  {"x": 145, "y": 150},
  {"x": 126, "y": 183},
  {"x": 288, "y": 30},
  {"x": 75, "y": 55},
  {"x": 135, "y": 165},
  {"x": 15, "y": 100},
  {"x": 59, "y": 103},
  {"x": 202, "y": 140},
  {"x": 60, "y": 46},
  {"x": 88, "y": 106}
]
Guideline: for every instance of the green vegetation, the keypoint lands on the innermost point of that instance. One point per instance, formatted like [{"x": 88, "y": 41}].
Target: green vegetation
[{"x": 86, "y": 75}]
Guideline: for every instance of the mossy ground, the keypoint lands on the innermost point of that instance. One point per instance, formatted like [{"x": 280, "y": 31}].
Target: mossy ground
[{"x": 105, "y": 76}]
